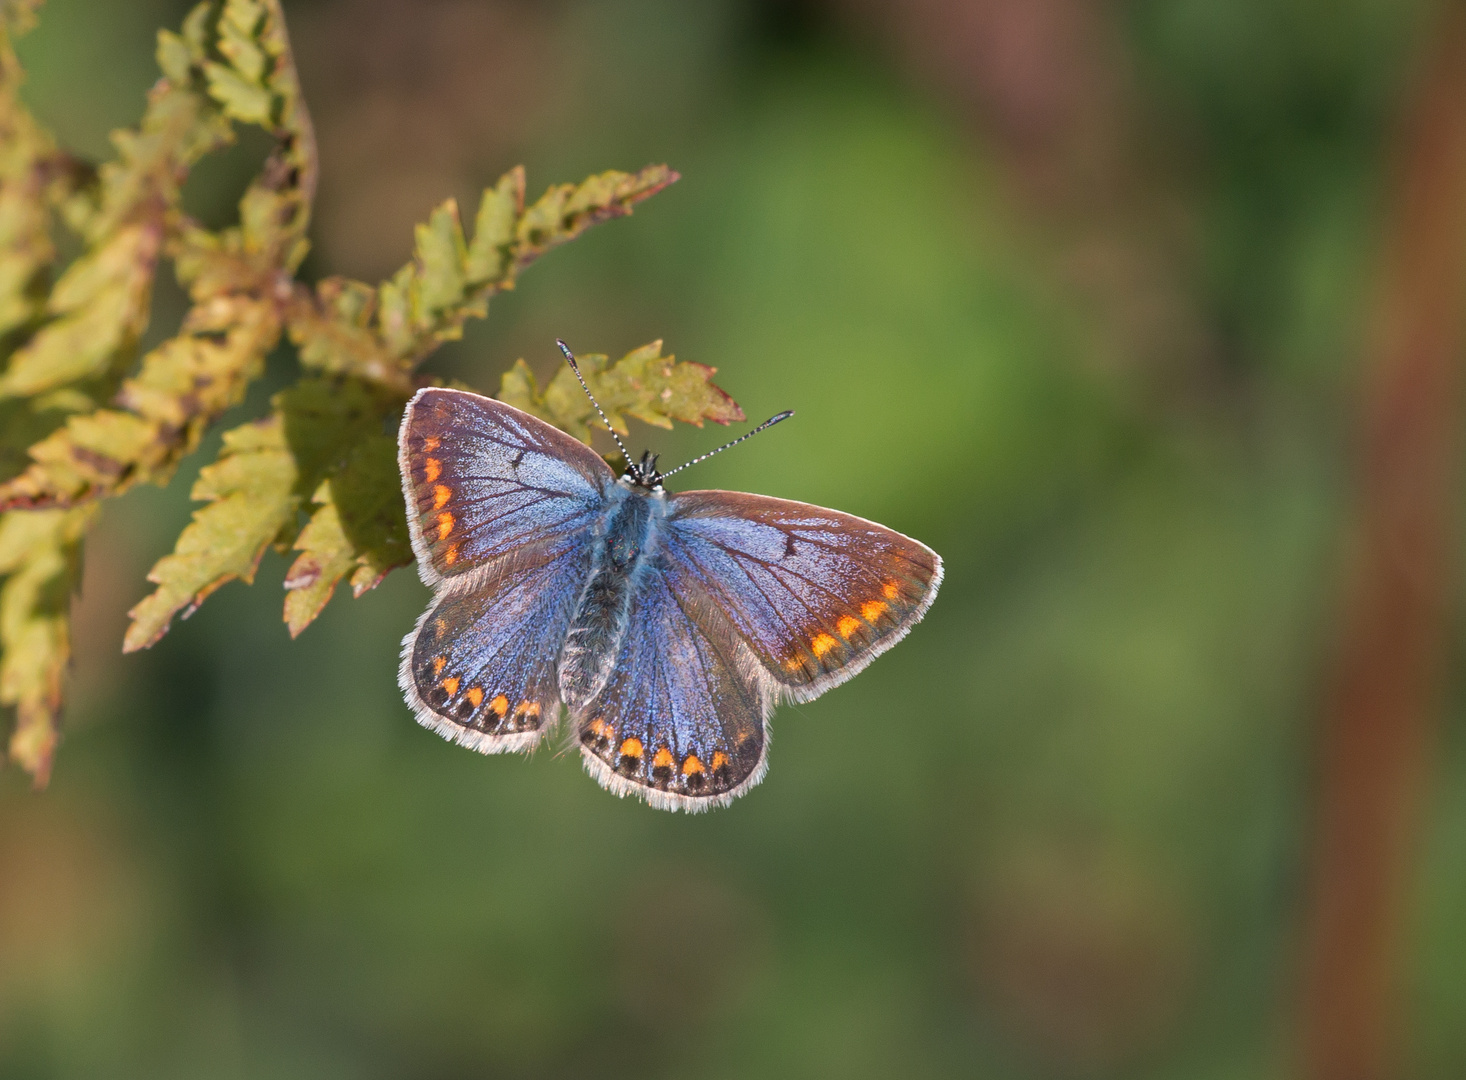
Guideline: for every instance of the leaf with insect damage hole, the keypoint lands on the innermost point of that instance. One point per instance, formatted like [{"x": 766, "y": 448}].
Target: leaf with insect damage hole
[
  {"x": 40, "y": 559},
  {"x": 645, "y": 384}
]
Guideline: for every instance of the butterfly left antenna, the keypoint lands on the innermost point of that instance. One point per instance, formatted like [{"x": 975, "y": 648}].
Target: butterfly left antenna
[
  {"x": 576, "y": 368},
  {"x": 770, "y": 422}
]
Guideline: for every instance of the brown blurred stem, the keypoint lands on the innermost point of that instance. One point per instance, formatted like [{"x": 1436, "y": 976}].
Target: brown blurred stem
[{"x": 1383, "y": 697}]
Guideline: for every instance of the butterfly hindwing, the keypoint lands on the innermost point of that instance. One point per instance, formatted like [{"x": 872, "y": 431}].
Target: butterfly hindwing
[
  {"x": 681, "y": 721},
  {"x": 479, "y": 668},
  {"x": 484, "y": 480},
  {"x": 815, "y": 593}
]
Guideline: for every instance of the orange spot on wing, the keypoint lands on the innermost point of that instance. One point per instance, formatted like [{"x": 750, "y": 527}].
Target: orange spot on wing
[
  {"x": 821, "y": 644},
  {"x": 892, "y": 589},
  {"x": 692, "y": 765},
  {"x": 475, "y": 696},
  {"x": 794, "y": 663},
  {"x": 438, "y": 664},
  {"x": 432, "y": 468},
  {"x": 431, "y": 443},
  {"x": 441, "y": 494},
  {"x": 632, "y": 748},
  {"x": 451, "y": 555},
  {"x": 450, "y": 684},
  {"x": 445, "y": 525},
  {"x": 719, "y": 760},
  {"x": 528, "y": 708},
  {"x": 664, "y": 759},
  {"x": 872, "y": 610},
  {"x": 500, "y": 705},
  {"x": 847, "y": 626},
  {"x": 600, "y": 729}
]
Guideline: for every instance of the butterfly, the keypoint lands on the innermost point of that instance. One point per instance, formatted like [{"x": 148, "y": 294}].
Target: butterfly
[{"x": 668, "y": 625}]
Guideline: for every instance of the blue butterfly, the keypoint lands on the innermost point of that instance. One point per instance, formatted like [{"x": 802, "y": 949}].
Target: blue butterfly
[{"x": 668, "y": 624}]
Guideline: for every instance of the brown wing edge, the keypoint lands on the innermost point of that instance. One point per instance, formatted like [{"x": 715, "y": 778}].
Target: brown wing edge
[{"x": 861, "y": 660}]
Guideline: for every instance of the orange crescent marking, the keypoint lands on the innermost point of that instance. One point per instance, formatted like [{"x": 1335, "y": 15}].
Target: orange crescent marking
[
  {"x": 445, "y": 525},
  {"x": 847, "y": 626},
  {"x": 450, "y": 684},
  {"x": 719, "y": 760},
  {"x": 438, "y": 664},
  {"x": 441, "y": 494},
  {"x": 664, "y": 759},
  {"x": 451, "y": 555},
  {"x": 432, "y": 468},
  {"x": 821, "y": 644},
  {"x": 475, "y": 696},
  {"x": 872, "y": 610},
  {"x": 600, "y": 729},
  {"x": 692, "y": 765},
  {"x": 632, "y": 748},
  {"x": 500, "y": 705},
  {"x": 528, "y": 708},
  {"x": 892, "y": 589},
  {"x": 431, "y": 443}
]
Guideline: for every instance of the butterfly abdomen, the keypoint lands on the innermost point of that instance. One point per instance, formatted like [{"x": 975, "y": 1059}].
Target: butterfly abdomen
[{"x": 599, "y": 622}]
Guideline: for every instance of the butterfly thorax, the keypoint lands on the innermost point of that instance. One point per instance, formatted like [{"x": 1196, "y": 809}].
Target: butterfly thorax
[{"x": 624, "y": 541}]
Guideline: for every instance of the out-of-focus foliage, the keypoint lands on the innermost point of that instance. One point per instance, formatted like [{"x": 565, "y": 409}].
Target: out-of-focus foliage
[{"x": 316, "y": 474}]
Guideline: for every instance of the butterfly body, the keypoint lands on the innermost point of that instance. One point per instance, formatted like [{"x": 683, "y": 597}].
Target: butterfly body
[
  {"x": 625, "y": 546},
  {"x": 668, "y": 624}
]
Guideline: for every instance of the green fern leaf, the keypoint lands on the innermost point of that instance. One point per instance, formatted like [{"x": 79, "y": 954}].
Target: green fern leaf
[
  {"x": 645, "y": 384},
  {"x": 182, "y": 386},
  {"x": 359, "y": 529},
  {"x": 40, "y": 556},
  {"x": 101, "y": 307},
  {"x": 251, "y": 497}
]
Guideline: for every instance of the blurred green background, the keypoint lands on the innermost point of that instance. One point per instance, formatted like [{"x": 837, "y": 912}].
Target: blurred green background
[{"x": 1076, "y": 293}]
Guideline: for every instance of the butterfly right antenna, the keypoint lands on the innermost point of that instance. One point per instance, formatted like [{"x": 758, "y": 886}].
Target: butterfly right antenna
[{"x": 576, "y": 368}]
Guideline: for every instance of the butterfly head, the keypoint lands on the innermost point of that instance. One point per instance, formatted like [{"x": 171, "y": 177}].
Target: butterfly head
[{"x": 644, "y": 474}]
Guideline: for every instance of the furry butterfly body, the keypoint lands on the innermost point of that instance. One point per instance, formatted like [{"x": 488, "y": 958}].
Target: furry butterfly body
[{"x": 668, "y": 625}]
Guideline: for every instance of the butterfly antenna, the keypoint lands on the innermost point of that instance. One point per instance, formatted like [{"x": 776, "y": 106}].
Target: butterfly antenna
[
  {"x": 770, "y": 422},
  {"x": 576, "y": 368}
]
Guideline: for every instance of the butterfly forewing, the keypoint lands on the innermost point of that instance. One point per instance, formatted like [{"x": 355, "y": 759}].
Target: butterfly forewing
[
  {"x": 679, "y": 723},
  {"x": 815, "y": 593},
  {"x": 484, "y": 480}
]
